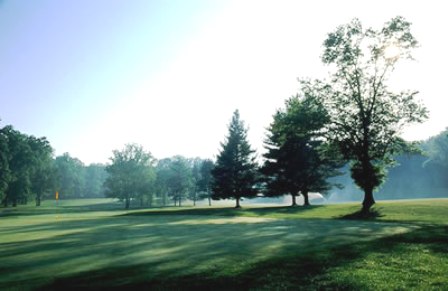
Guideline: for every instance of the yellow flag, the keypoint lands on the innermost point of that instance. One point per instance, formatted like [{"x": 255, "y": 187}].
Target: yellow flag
[{"x": 57, "y": 195}]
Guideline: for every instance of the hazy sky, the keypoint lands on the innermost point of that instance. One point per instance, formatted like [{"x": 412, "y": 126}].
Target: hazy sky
[{"x": 92, "y": 76}]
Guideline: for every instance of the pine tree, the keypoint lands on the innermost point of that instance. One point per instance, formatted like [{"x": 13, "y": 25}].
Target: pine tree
[
  {"x": 235, "y": 172},
  {"x": 298, "y": 161}
]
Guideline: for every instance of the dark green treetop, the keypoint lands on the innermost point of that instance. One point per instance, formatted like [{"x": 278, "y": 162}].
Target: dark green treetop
[
  {"x": 235, "y": 171},
  {"x": 298, "y": 159}
]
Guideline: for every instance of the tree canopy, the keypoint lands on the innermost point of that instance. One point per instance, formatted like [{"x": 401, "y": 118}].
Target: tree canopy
[
  {"x": 367, "y": 116},
  {"x": 131, "y": 173},
  {"x": 25, "y": 167},
  {"x": 298, "y": 159}
]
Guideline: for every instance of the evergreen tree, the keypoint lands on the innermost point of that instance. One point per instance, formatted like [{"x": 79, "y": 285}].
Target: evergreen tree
[
  {"x": 234, "y": 175},
  {"x": 298, "y": 160}
]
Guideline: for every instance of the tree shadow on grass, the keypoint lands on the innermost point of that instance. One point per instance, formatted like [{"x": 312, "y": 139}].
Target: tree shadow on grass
[
  {"x": 61, "y": 208},
  {"x": 296, "y": 270},
  {"x": 226, "y": 211},
  {"x": 360, "y": 215},
  {"x": 176, "y": 252}
]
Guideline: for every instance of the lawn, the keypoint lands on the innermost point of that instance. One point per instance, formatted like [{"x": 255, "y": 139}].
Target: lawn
[{"x": 95, "y": 244}]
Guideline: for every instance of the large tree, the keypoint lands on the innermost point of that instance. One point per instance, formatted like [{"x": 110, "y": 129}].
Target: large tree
[
  {"x": 367, "y": 116},
  {"x": 235, "y": 172},
  {"x": 42, "y": 175},
  {"x": 25, "y": 167},
  {"x": 20, "y": 164},
  {"x": 298, "y": 160},
  {"x": 130, "y": 174}
]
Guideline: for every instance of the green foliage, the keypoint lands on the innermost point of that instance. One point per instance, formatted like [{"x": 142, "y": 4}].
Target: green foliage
[
  {"x": 297, "y": 157},
  {"x": 235, "y": 171},
  {"x": 70, "y": 177},
  {"x": 26, "y": 167},
  {"x": 20, "y": 166},
  {"x": 43, "y": 174},
  {"x": 204, "y": 182},
  {"x": 367, "y": 117},
  {"x": 95, "y": 175},
  {"x": 76, "y": 180},
  {"x": 180, "y": 179},
  {"x": 5, "y": 172},
  {"x": 131, "y": 174},
  {"x": 437, "y": 149}
]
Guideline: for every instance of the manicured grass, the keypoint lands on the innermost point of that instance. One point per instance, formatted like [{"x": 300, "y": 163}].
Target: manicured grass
[
  {"x": 408, "y": 211},
  {"x": 97, "y": 245}
]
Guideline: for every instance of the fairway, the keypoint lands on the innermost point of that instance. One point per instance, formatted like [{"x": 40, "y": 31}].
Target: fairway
[{"x": 95, "y": 245}]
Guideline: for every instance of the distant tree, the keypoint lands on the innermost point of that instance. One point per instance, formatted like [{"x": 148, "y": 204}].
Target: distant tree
[
  {"x": 20, "y": 163},
  {"x": 130, "y": 173},
  {"x": 297, "y": 159},
  {"x": 367, "y": 117},
  {"x": 437, "y": 149},
  {"x": 95, "y": 175},
  {"x": 161, "y": 181},
  {"x": 235, "y": 172},
  {"x": 70, "y": 176},
  {"x": 180, "y": 180},
  {"x": 43, "y": 173},
  {"x": 195, "y": 166},
  {"x": 5, "y": 172},
  {"x": 204, "y": 183}
]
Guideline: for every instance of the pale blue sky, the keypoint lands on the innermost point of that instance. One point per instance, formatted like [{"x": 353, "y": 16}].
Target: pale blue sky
[{"x": 94, "y": 75}]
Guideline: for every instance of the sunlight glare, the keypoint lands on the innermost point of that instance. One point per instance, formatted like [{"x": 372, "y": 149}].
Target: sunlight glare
[{"x": 391, "y": 51}]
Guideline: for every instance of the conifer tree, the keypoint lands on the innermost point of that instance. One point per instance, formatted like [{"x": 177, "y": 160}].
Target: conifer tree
[{"x": 235, "y": 172}]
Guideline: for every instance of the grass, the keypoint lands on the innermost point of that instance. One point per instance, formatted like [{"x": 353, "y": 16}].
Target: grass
[{"x": 95, "y": 244}]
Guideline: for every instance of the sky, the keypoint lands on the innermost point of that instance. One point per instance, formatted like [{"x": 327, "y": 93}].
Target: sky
[{"x": 92, "y": 76}]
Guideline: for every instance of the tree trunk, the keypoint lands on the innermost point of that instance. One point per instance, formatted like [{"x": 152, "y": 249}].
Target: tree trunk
[
  {"x": 368, "y": 201},
  {"x": 127, "y": 202},
  {"x": 209, "y": 201},
  {"x": 38, "y": 200},
  {"x": 306, "y": 198},
  {"x": 141, "y": 202},
  {"x": 14, "y": 203},
  {"x": 293, "y": 196},
  {"x": 5, "y": 201},
  {"x": 238, "y": 203},
  {"x": 180, "y": 201},
  {"x": 194, "y": 199}
]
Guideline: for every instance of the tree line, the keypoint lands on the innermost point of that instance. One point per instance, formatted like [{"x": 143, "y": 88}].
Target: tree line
[
  {"x": 350, "y": 120},
  {"x": 29, "y": 171},
  {"x": 135, "y": 175}
]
